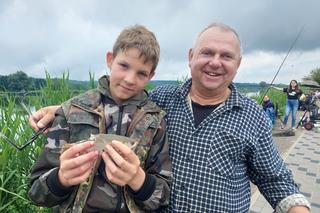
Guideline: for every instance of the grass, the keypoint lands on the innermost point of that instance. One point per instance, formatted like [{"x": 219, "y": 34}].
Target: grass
[{"x": 15, "y": 166}]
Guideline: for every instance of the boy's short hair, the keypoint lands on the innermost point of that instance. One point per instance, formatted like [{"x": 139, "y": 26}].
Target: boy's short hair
[{"x": 144, "y": 40}]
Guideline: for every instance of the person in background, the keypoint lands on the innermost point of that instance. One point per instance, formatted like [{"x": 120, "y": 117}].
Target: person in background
[
  {"x": 219, "y": 139},
  {"x": 292, "y": 103},
  {"x": 270, "y": 110},
  {"x": 126, "y": 180}
]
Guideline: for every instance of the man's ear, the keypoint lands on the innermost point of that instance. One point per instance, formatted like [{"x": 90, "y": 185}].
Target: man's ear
[
  {"x": 109, "y": 59},
  {"x": 190, "y": 55},
  {"x": 239, "y": 62}
]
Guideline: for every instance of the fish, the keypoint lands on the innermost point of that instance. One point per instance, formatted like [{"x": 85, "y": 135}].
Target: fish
[{"x": 101, "y": 140}]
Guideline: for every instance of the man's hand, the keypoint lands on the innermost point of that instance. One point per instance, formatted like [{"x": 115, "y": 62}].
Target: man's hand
[
  {"x": 123, "y": 166},
  {"x": 76, "y": 167},
  {"x": 299, "y": 209},
  {"x": 43, "y": 117}
]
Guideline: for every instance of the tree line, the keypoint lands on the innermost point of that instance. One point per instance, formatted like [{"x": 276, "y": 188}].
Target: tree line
[{"x": 20, "y": 82}]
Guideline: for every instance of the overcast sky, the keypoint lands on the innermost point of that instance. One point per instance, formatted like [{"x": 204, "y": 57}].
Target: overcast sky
[{"x": 74, "y": 35}]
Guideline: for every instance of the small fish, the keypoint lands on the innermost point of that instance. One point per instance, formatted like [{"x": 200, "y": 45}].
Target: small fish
[{"x": 101, "y": 140}]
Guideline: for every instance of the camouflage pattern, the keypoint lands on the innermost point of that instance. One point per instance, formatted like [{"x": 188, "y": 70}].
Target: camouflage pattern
[{"x": 92, "y": 113}]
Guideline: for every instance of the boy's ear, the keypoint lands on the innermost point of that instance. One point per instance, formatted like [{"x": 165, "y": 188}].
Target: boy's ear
[{"x": 109, "y": 59}]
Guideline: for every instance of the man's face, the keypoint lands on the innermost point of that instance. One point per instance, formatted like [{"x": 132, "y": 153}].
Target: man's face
[
  {"x": 128, "y": 74},
  {"x": 214, "y": 60}
]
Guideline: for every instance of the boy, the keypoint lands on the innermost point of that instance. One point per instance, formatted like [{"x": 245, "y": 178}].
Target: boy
[
  {"x": 125, "y": 181},
  {"x": 270, "y": 110}
]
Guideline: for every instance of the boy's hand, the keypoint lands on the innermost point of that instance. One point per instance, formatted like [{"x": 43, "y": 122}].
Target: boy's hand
[
  {"x": 123, "y": 166},
  {"x": 43, "y": 117},
  {"x": 76, "y": 167}
]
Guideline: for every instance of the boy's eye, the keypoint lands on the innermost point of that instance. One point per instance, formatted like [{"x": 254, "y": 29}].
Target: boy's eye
[
  {"x": 123, "y": 65},
  {"x": 142, "y": 74}
]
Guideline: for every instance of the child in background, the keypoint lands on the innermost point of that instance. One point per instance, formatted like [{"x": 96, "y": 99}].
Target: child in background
[{"x": 269, "y": 109}]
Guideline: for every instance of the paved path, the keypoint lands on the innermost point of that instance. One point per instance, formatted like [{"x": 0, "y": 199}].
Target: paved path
[{"x": 303, "y": 158}]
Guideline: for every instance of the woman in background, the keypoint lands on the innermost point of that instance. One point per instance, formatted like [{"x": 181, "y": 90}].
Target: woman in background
[{"x": 292, "y": 103}]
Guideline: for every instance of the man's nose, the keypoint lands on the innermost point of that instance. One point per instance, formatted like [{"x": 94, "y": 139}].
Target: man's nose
[{"x": 215, "y": 61}]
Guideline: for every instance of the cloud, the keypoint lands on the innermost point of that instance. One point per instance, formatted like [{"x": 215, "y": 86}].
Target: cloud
[{"x": 75, "y": 35}]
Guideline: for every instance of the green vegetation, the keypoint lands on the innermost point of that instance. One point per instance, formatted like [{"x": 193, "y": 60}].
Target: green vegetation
[
  {"x": 314, "y": 75},
  {"x": 15, "y": 165}
]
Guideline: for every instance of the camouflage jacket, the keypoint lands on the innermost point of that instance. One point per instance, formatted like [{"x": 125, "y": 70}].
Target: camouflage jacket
[{"x": 95, "y": 112}]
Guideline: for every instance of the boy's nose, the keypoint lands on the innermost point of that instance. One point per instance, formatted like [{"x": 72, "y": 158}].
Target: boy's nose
[{"x": 129, "y": 78}]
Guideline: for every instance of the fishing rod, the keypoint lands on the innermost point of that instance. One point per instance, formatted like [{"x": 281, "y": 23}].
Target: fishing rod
[
  {"x": 284, "y": 59},
  {"x": 27, "y": 143},
  {"x": 30, "y": 140}
]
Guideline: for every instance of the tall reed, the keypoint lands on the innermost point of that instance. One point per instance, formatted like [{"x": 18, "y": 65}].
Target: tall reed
[{"x": 15, "y": 166}]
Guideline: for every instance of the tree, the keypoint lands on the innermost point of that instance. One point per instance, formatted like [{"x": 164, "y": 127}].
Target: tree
[
  {"x": 314, "y": 75},
  {"x": 18, "y": 81},
  {"x": 263, "y": 84}
]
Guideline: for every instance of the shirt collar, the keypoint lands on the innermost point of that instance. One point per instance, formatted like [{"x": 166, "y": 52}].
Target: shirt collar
[{"x": 235, "y": 99}]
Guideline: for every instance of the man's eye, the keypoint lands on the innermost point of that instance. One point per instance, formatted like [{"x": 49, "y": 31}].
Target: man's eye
[
  {"x": 228, "y": 56},
  {"x": 206, "y": 53}
]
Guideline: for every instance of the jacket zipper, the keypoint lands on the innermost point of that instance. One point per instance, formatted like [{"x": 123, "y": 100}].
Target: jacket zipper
[{"x": 118, "y": 132}]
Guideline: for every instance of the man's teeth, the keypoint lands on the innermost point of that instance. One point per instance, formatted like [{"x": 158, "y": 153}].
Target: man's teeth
[{"x": 211, "y": 74}]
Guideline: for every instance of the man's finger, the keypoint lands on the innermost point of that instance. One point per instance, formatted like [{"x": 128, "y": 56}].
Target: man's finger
[{"x": 33, "y": 124}]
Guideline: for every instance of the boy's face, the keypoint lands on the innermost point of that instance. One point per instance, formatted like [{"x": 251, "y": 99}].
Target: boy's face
[{"x": 128, "y": 74}]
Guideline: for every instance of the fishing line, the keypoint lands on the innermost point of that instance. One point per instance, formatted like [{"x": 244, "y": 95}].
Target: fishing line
[{"x": 284, "y": 59}]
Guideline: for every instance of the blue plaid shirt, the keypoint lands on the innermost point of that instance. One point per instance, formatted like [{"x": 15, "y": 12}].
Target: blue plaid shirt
[{"x": 214, "y": 163}]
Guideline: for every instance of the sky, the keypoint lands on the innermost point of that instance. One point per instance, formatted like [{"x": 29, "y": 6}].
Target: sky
[{"x": 74, "y": 35}]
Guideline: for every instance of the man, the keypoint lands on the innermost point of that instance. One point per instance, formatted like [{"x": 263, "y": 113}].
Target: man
[{"x": 219, "y": 139}]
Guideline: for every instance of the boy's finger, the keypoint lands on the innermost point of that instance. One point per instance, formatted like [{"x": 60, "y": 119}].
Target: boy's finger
[
  {"x": 117, "y": 155},
  {"x": 124, "y": 150},
  {"x": 81, "y": 168},
  {"x": 113, "y": 172},
  {"x": 113, "y": 153},
  {"x": 80, "y": 162},
  {"x": 76, "y": 149}
]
